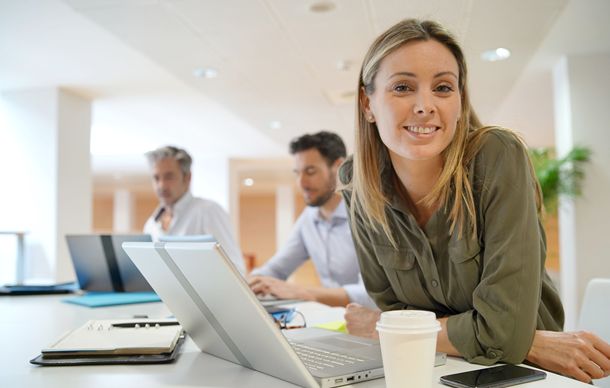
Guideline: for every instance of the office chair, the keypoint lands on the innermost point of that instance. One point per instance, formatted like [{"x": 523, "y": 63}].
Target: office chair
[{"x": 595, "y": 314}]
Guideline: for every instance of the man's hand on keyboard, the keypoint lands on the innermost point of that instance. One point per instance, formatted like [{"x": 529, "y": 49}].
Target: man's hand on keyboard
[{"x": 266, "y": 285}]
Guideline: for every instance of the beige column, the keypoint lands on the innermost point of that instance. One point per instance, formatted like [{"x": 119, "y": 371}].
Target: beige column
[
  {"x": 284, "y": 215},
  {"x": 122, "y": 220}
]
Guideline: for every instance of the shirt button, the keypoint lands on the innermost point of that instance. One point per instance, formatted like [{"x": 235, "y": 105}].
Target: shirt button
[
  {"x": 492, "y": 354},
  {"x": 434, "y": 283}
]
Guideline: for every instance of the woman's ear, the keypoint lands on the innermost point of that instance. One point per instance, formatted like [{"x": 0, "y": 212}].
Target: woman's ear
[{"x": 365, "y": 106}]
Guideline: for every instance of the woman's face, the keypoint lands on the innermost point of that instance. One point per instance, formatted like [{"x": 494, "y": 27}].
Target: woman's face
[{"x": 416, "y": 103}]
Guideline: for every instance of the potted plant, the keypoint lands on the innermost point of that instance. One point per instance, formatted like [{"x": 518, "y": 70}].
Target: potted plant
[{"x": 559, "y": 176}]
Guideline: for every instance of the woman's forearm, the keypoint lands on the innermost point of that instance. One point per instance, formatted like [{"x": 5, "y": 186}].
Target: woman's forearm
[{"x": 442, "y": 341}]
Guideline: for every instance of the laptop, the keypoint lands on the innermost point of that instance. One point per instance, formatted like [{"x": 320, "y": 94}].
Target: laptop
[
  {"x": 101, "y": 264},
  {"x": 188, "y": 238},
  {"x": 214, "y": 304}
]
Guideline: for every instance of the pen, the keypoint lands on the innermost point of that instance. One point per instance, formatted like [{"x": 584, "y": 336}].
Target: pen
[{"x": 146, "y": 324}]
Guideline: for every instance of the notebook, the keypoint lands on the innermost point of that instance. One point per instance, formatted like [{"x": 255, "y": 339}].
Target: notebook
[
  {"x": 112, "y": 342},
  {"x": 103, "y": 337},
  {"x": 214, "y": 304},
  {"x": 101, "y": 264}
]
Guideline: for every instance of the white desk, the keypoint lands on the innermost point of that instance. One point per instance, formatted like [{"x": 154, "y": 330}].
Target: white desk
[{"x": 28, "y": 323}]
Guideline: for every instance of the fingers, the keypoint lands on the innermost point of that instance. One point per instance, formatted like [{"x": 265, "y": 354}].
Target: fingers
[
  {"x": 598, "y": 363},
  {"x": 579, "y": 375},
  {"x": 584, "y": 361},
  {"x": 352, "y": 309},
  {"x": 260, "y": 285},
  {"x": 602, "y": 347},
  {"x": 252, "y": 280},
  {"x": 260, "y": 288}
]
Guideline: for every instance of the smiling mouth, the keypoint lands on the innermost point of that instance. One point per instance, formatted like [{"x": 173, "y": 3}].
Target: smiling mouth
[{"x": 422, "y": 130}]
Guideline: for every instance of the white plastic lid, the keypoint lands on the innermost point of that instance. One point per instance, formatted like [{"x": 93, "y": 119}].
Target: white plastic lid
[{"x": 408, "y": 321}]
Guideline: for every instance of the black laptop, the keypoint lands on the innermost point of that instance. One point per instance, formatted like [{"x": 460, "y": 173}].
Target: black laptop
[{"x": 101, "y": 264}]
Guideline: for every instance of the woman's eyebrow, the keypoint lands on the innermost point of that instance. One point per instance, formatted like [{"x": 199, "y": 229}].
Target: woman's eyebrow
[
  {"x": 442, "y": 73},
  {"x": 402, "y": 73},
  {"x": 409, "y": 74}
]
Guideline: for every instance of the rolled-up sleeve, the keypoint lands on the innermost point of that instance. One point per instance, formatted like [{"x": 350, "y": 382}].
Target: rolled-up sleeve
[{"x": 502, "y": 323}]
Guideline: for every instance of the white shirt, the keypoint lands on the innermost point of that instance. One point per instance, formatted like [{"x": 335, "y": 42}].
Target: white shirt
[
  {"x": 330, "y": 246},
  {"x": 192, "y": 216}
]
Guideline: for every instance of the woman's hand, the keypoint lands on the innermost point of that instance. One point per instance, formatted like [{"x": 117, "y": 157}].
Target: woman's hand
[
  {"x": 581, "y": 355},
  {"x": 361, "y": 321}
]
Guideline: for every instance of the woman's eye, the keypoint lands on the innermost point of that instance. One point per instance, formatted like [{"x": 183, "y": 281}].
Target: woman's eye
[
  {"x": 401, "y": 88},
  {"x": 444, "y": 88}
]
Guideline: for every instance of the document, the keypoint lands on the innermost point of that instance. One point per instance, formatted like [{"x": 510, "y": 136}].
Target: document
[{"x": 118, "y": 337}]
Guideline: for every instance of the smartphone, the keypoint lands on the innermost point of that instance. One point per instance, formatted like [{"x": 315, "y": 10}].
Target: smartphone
[
  {"x": 496, "y": 377},
  {"x": 281, "y": 313}
]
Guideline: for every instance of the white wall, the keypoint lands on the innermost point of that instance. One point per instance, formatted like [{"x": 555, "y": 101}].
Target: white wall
[
  {"x": 46, "y": 174},
  {"x": 582, "y": 86},
  {"x": 211, "y": 179}
]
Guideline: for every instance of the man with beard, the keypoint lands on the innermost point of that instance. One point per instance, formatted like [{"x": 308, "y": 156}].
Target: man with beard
[
  {"x": 180, "y": 213},
  {"x": 321, "y": 233}
]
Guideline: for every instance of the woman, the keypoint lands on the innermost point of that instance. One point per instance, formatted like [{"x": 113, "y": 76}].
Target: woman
[{"x": 445, "y": 213}]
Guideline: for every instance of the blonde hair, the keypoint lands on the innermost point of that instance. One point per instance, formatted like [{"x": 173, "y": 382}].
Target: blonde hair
[{"x": 371, "y": 155}]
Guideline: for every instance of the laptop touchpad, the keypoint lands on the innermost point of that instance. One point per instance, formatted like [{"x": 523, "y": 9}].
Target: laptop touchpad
[{"x": 341, "y": 343}]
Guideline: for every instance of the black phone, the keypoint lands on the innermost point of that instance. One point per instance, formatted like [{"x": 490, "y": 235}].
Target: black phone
[{"x": 496, "y": 377}]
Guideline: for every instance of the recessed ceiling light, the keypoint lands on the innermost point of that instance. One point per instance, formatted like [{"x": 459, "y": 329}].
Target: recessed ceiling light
[
  {"x": 275, "y": 124},
  {"x": 344, "y": 65},
  {"x": 498, "y": 54},
  {"x": 248, "y": 182},
  {"x": 322, "y": 6},
  {"x": 205, "y": 72}
]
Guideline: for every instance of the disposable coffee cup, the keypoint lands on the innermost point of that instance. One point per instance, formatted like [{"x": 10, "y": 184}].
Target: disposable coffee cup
[{"x": 408, "y": 347}]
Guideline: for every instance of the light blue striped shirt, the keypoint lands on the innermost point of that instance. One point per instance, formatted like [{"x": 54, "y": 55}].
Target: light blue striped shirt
[{"x": 330, "y": 246}]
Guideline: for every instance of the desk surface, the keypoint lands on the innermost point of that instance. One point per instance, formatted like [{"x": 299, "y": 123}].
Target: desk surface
[{"x": 29, "y": 323}]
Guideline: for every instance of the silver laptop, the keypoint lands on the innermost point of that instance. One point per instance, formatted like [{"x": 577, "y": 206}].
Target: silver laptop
[
  {"x": 208, "y": 296},
  {"x": 214, "y": 304},
  {"x": 101, "y": 264},
  {"x": 266, "y": 300},
  {"x": 188, "y": 238}
]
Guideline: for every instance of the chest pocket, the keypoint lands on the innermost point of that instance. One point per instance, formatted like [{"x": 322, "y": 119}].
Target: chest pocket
[
  {"x": 466, "y": 267},
  {"x": 403, "y": 273}
]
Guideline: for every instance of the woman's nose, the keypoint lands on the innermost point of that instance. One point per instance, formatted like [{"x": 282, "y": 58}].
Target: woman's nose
[{"x": 423, "y": 104}]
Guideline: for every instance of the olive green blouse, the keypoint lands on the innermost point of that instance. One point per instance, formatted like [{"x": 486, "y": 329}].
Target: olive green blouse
[{"x": 494, "y": 288}]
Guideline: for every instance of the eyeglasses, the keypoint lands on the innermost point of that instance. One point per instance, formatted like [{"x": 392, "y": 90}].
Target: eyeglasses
[{"x": 290, "y": 319}]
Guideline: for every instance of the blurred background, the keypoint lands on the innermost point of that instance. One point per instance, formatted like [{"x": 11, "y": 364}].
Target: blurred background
[{"x": 88, "y": 86}]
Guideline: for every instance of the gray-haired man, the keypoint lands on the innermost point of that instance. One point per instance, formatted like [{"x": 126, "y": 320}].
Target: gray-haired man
[{"x": 181, "y": 214}]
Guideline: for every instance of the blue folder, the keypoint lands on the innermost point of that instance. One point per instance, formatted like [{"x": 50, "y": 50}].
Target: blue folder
[{"x": 102, "y": 299}]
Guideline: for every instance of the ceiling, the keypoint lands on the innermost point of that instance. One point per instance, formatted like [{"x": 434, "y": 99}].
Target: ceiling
[{"x": 277, "y": 61}]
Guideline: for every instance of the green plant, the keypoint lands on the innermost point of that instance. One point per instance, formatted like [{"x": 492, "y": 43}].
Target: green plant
[{"x": 561, "y": 176}]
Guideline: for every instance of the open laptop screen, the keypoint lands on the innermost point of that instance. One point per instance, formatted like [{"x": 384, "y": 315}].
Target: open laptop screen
[{"x": 101, "y": 264}]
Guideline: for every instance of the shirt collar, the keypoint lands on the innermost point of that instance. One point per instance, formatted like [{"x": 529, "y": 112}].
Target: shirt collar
[
  {"x": 179, "y": 207},
  {"x": 338, "y": 215}
]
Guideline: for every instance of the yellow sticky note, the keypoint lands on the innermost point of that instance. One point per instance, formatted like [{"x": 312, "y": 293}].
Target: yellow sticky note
[{"x": 335, "y": 325}]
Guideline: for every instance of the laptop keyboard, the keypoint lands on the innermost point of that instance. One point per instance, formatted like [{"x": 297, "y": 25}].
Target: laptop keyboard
[{"x": 318, "y": 359}]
